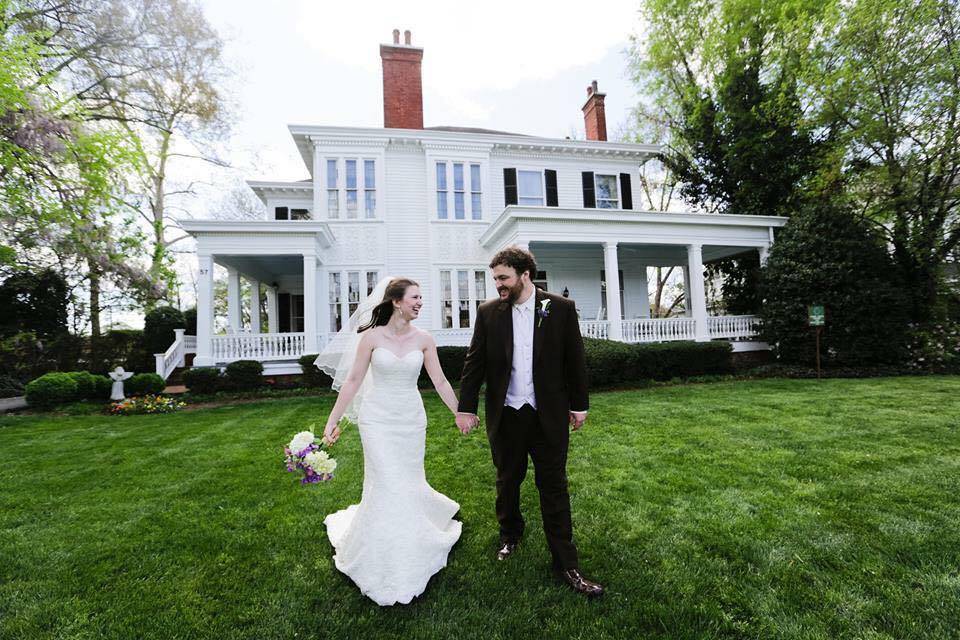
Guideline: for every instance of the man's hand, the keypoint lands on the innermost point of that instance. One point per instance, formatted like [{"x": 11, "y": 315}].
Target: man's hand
[
  {"x": 466, "y": 422},
  {"x": 577, "y": 418}
]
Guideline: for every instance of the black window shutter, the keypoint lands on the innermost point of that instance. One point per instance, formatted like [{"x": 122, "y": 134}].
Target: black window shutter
[
  {"x": 509, "y": 187},
  {"x": 283, "y": 311},
  {"x": 589, "y": 191},
  {"x": 626, "y": 193},
  {"x": 281, "y": 213},
  {"x": 550, "y": 177}
]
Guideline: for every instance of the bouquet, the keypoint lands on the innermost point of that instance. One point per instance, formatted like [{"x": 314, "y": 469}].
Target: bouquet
[{"x": 305, "y": 455}]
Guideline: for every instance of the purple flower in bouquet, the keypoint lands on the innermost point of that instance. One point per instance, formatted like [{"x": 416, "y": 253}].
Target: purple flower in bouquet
[{"x": 305, "y": 454}]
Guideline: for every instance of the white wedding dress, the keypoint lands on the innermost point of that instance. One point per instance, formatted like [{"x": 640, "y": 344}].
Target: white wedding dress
[{"x": 402, "y": 531}]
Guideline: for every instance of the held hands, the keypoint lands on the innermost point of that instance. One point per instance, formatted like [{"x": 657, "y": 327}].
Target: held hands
[
  {"x": 466, "y": 422},
  {"x": 577, "y": 418}
]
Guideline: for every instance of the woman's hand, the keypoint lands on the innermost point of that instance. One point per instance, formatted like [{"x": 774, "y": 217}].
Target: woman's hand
[{"x": 331, "y": 433}]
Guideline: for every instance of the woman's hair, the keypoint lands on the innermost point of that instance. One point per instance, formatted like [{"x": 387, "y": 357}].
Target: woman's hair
[
  {"x": 380, "y": 316},
  {"x": 516, "y": 258}
]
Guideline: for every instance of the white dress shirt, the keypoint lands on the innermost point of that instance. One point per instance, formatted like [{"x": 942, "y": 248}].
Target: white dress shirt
[{"x": 520, "y": 391}]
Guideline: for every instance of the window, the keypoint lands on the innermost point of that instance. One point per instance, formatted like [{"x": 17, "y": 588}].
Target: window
[
  {"x": 446, "y": 300},
  {"x": 333, "y": 295},
  {"x": 540, "y": 282},
  {"x": 461, "y": 298},
  {"x": 463, "y": 295},
  {"x": 475, "y": 191},
  {"x": 281, "y": 213},
  {"x": 607, "y": 197},
  {"x": 333, "y": 197},
  {"x": 459, "y": 202},
  {"x": 480, "y": 284},
  {"x": 353, "y": 291},
  {"x": 442, "y": 190},
  {"x": 530, "y": 188},
  {"x": 296, "y": 313},
  {"x": 351, "y": 169},
  {"x": 299, "y": 214},
  {"x": 369, "y": 189},
  {"x": 372, "y": 278},
  {"x": 603, "y": 293}
]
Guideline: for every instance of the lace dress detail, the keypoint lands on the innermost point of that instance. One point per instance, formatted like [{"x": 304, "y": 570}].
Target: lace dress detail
[{"x": 400, "y": 534}]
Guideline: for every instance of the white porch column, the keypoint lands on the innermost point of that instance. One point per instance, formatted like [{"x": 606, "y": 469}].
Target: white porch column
[
  {"x": 254, "y": 306},
  {"x": 318, "y": 178},
  {"x": 698, "y": 296},
  {"x": 323, "y": 302},
  {"x": 273, "y": 324},
  {"x": 764, "y": 254},
  {"x": 611, "y": 266},
  {"x": 644, "y": 293},
  {"x": 233, "y": 299},
  {"x": 204, "y": 356},
  {"x": 687, "y": 294},
  {"x": 310, "y": 303}
]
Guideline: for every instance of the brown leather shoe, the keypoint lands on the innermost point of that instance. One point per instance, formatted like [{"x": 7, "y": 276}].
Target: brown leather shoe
[
  {"x": 578, "y": 583},
  {"x": 506, "y": 548}
]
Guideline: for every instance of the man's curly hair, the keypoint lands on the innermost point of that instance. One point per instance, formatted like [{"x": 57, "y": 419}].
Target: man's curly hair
[{"x": 518, "y": 259}]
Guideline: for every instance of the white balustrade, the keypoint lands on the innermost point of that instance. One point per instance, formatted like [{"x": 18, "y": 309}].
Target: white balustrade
[
  {"x": 733, "y": 326},
  {"x": 173, "y": 357},
  {"x": 659, "y": 329},
  {"x": 452, "y": 337},
  {"x": 190, "y": 343},
  {"x": 594, "y": 329},
  {"x": 257, "y": 346}
]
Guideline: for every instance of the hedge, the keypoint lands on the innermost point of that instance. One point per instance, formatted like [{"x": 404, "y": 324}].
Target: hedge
[
  {"x": 202, "y": 379},
  {"x": 51, "y": 389},
  {"x": 243, "y": 375},
  {"x": 312, "y": 376},
  {"x": 144, "y": 384}
]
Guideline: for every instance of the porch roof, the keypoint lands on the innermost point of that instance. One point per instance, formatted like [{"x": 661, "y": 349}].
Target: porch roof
[
  {"x": 269, "y": 236},
  {"x": 518, "y": 224}
]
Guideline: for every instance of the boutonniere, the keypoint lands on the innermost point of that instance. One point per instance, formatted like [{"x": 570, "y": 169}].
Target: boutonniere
[{"x": 543, "y": 311}]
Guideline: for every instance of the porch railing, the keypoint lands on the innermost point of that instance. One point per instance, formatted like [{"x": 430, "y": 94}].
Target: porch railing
[
  {"x": 594, "y": 329},
  {"x": 257, "y": 346},
  {"x": 658, "y": 329},
  {"x": 733, "y": 326}
]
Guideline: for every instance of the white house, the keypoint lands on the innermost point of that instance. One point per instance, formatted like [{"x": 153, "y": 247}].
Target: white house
[{"x": 433, "y": 204}]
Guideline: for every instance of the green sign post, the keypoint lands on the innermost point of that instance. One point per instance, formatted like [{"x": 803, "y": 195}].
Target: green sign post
[{"x": 817, "y": 318}]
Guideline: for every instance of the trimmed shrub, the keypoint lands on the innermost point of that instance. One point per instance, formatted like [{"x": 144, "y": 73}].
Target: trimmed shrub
[
  {"x": 243, "y": 375},
  {"x": 202, "y": 379},
  {"x": 51, "y": 389},
  {"x": 610, "y": 363},
  {"x": 144, "y": 384},
  {"x": 190, "y": 317},
  {"x": 86, "y": 384},
  {"x": 312, "y": 376},
  {"x": 10, "y": 386},
  {"x": 158, "y": 326},
  {"x": 827, "y": 255},
  {"x": 104, "y": 386}
]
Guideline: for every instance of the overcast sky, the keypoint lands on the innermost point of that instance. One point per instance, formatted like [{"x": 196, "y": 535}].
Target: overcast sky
[{"x": 513, "y": 66}]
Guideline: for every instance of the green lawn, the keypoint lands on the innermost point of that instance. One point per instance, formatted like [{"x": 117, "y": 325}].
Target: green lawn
[{"x": 760, "y": 509}]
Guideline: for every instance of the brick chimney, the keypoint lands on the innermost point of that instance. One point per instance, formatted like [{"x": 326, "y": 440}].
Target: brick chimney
[
  {"x": 402, "y": 88},
  {"x": 594, "y": 115}
]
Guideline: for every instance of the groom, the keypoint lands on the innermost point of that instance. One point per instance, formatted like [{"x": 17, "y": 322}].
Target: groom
[{"x": 527, "y": 348}]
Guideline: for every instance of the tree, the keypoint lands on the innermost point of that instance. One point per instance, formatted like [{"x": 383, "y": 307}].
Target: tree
[
  {"x": 850, "y": 272},
  {"x": 886, "y": 75},
  {"x": 34, "y": 302},
  {"x": 726, "y": 79}
]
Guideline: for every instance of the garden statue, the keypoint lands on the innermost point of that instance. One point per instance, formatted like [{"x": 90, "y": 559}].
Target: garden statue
[{"x": 118, "y": 375}]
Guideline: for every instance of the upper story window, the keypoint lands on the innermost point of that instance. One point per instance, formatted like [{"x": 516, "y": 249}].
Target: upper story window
[
  {"x": 465, "y": 199},
  {"x": 286, "y": 213},
  {"x": 530, "y": 187},
  {"x": 351, "y": 188},
  {"x": 606, "y": 191}
]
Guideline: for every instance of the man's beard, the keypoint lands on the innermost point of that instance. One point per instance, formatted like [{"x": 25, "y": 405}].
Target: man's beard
[{"x": 514, "y": 292}]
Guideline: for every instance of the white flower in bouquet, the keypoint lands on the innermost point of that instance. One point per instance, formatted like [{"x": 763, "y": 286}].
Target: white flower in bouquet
[
  {"x": 301, "y": 441},
  {"x": 320, "y": 462}
]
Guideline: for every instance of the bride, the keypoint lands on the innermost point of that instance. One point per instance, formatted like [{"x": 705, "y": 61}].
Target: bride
[{"x": 401, "y": 532}]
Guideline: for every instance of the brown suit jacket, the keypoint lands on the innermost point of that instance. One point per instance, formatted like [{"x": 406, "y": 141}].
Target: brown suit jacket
[{"x": 559, "y": 369}]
